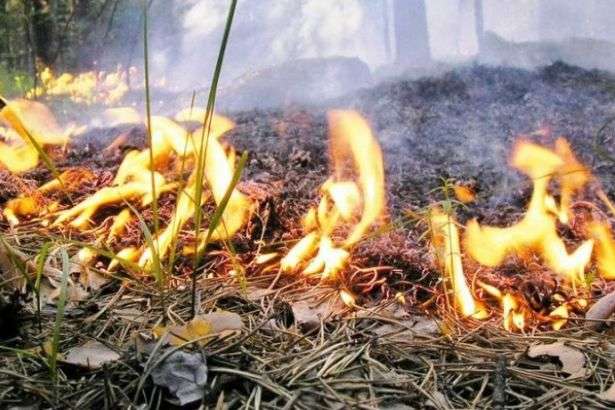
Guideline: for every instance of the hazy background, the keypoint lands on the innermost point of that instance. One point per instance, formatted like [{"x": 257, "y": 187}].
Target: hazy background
[{"x": 269, "y": 32}]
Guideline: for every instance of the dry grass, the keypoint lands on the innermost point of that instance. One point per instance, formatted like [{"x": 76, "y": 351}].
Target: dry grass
[{"x": 362, "y": 358}]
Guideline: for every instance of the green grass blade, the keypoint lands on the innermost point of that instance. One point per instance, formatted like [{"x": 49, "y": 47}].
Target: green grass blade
[
  {"x": 157, "y": 271},
  {"x": 211, "y": 101},
  {"x": 148, "y": 109},
  {"x": 215, "y": 221},
  {"x": 55, "y": 340},
  {"x": 216, "y": 218},
  {"x": 41, "y": 259}
]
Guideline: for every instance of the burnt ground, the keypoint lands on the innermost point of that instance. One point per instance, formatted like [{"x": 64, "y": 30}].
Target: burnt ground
[{"x": 460, "y": 125}]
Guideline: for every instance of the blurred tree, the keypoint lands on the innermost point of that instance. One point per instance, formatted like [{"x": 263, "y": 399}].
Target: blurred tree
[
  {"x": 411, "y": 36},
  {"x": 42, "y": 31},
  {"x": 479, "y": 24}
]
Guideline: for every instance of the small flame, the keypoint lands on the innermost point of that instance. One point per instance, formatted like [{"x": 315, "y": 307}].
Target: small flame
[
  {"x": 348, "y": 298},
  {"x": 355, "y": 191},
  {"x": 560, "y": 317},
  {"x": 445, "y": 239},
  {"x": 218, "y": 172},
  {"x": 513, "y": 317},
  {"x": 605, "y": 249},
  {"x": 85, "y": 88},
  {"x": 119, "y": 224},
  {"x": 464, "y": 194},
  {"x": 537, "y": 230},
  {"x": 573, "y": 176}
]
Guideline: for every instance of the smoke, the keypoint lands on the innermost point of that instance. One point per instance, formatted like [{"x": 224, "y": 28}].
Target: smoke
[
  {"x": 185, "y": 39},
  {"x": 267, "y": 33}
]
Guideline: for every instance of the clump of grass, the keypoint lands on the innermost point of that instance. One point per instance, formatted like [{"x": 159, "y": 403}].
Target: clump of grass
[{"x": 202, "y": 154}]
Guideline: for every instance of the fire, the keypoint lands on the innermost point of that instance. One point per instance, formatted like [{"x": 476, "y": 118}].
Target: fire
[
  {"x": 537, "y": 230},
  {"x": 513, "y": 316},
  {"x": 351, "y": 201},
  {"x": 605, "y": 249},
  {"x": 445, "y": 239},
  {"x": 133, "y": 181},
  {"x": 353, "y": 198},
  {"x": 29, "y": 123},
  {"x": 86, "y": 88}
]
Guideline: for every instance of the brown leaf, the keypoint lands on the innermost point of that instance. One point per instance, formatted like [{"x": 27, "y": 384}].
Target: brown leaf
[
  {"x": 609, "y": 394},
  {"x": 408, "y": 329},
  {"x": 600, "y": 311},
  {"x": 219, "y": 323},
  {"x": 309, "y": 315},
  {"x": 573, "y": 361},
  {"x": 91, "y": 355}
]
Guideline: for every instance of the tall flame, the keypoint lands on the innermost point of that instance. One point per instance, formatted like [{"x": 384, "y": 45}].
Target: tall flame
[
  {"x": 445, "y": 240},
  {"x": 537, "y": 230},
  {"x": 219, "y": 172},
  {"x": 605, "y": 249},
  {"x": 32, "y": 122},
  {"x": 353, "y": 197}
]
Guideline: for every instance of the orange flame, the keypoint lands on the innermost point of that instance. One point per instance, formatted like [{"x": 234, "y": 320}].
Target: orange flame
[
  {"x": 445, "y": 239},
  {"x": 30, "y": 120},
  {"x": 355, "y": 191},
  {"x": 513, "y": 317},
  {"x": 537, "y": 230},
  {"x": 85, "y": 88},
  {"x": 605, "y": 249}
]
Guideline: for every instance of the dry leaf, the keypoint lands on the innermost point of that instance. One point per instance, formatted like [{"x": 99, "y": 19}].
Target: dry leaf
[
  {"x": 184, "y": 374},
  {"x": 573, "y": 361},
  {"x": 600, "y": 311},
  {"x": 254, "y": 293},
  {"x": 309, "y": 315},
  {"x": 91, "y": 355},
  {"x": 438, "y": 400},
  {"x": 216, "y": 323},
  {"x": 608, "y": 395},
  {"x": 408, "y": 329}
]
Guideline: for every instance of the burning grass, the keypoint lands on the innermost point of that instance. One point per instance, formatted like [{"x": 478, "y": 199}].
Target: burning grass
[{"x": 385, "y": 328}]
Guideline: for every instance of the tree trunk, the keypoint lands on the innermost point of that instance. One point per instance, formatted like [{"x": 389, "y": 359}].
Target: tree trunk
[
  {"x": 42, "y": 31},
  {"x": 411, "y": 36},
  {"x": 387, "y": 30},
  {"x": 479, "y": 24}
]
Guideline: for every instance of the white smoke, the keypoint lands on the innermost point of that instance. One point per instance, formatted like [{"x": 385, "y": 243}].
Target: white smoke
[
  {"x": 270, "y": 32},
  {"x": 266, "y": 33}
]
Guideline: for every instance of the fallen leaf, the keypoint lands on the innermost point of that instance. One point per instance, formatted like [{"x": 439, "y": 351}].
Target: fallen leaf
[
  {"x": 609, "y": 394},
  {"x": 254, "y": 293},
  {"x": 408, "y": 329},
  {"x": 219, "y": 323},
  {"x": 184, "y": 375},
  {"x": 438, "y": 400},
  {"x": 91, "y": 355},
  {"x": 309, "y": 315},
  {"x": 600, "y": 311},
  {"x": 573, "y": 361}
]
